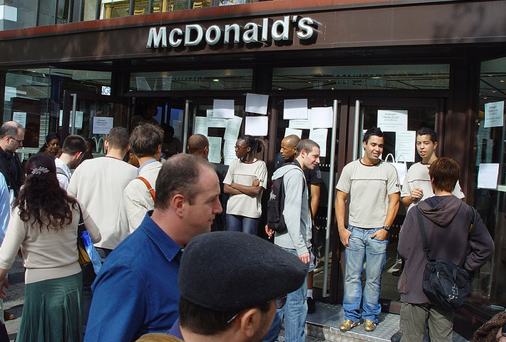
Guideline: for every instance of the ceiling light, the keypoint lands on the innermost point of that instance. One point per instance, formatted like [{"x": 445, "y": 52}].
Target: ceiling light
[
  {"x": 502, "y": 81},
  {"x": 216, "y": 80}
]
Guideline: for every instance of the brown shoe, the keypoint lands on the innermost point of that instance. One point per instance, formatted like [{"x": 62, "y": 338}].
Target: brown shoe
[
  {"x": 348, "y": 324},
  {"x": 369, "y": 325}
]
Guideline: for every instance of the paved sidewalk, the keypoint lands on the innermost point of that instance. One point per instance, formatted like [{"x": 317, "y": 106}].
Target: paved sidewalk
[{"x": 15, "y": 297}]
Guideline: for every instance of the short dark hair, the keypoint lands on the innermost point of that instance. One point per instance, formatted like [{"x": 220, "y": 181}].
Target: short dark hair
[
  {"x": 179, "y": 174},
  {"x": 9, "y": 128},
  {"x": 251, "y": 142},
  {"x": 118, "y": 138},
  {"x": 205, "y": 321},
  {"x": 306, "y": 145},
  {"x": 372, "y": 131},
  {"x": 145, "y": 140},
  {"x": 444, "y": 173},
  {"x": 428, "y": 131},
  {"x": 74, "y": 144}
]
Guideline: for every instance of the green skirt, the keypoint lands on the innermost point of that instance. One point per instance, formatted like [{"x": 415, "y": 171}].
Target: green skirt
[{"x": 52, "y": 311}]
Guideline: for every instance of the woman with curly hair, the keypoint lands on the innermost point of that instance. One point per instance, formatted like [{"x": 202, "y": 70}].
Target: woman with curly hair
[{"x": 44, "y": 224}]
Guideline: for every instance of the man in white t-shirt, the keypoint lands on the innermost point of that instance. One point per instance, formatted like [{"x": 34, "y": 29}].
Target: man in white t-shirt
[
  {"x": 139, "y": 195},
  {"x": 98, "y": 184},
  {"x": 73, "y": 149},
  {"x": 417, "y": 185},
  {"x": 371, "y": 187}
]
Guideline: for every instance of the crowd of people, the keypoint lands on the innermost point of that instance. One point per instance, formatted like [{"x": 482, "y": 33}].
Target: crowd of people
[{"x": 166, "y": 277}]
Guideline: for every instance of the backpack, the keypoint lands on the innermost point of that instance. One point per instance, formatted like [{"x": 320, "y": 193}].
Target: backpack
[
  {"x": 445, "y": 284},
  {"x": 276, "y": 205}
]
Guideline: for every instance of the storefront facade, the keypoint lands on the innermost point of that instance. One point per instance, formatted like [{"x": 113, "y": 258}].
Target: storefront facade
[{"x": 438, "y": 61}]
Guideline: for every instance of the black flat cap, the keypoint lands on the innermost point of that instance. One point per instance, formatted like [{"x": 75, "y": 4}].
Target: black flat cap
[{"x": 232, "y": 271}]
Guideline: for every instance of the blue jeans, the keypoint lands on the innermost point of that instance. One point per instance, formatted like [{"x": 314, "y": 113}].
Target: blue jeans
[
  {"x": 237, "y": 223},
  {"x": 294, "y": 313},
  {"x": 374, "y": 251}
]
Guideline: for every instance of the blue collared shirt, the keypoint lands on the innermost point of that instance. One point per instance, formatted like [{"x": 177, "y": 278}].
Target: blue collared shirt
[
  {"x": 5, "y": 207},
  {"x": 136, "y": 291}
]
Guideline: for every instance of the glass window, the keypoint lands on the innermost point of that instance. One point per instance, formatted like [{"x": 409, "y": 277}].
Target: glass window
[
  {"x": 224, "y": 79},
  {"x": 388, "y": 77},
  {"x": 490, "y": 199}
]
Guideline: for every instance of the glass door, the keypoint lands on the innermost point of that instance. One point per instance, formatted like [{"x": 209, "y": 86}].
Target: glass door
[
  {"x": 91, "y": 116},
  {"x": 400, "y": 118}
]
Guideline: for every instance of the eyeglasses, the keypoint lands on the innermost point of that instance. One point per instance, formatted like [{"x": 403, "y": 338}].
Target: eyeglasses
[
  {"x": 17, "y": 140},
  {"x": 280, "y": 303}
]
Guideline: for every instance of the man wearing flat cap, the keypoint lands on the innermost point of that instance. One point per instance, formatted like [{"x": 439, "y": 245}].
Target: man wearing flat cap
[
  {"x": 231, "y": 284},
  {"x": 136, "y": 291}
]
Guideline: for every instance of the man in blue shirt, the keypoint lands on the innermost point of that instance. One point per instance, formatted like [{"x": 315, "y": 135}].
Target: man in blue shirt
[{"x": 136, "y": 291}]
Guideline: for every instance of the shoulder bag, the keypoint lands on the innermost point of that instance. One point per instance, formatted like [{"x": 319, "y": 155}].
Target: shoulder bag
[{"x": 445, "y": 284}]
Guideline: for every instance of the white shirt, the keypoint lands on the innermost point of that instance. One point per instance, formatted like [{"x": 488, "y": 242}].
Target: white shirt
[
  {"x": 98, "y": 184},
  {"x": 63, "y": 173}
]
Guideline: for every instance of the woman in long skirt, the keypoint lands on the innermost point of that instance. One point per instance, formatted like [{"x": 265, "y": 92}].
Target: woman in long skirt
[{"x": 44, "y": 224}]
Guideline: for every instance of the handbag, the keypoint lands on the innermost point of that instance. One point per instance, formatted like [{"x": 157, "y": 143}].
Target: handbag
[
  {"x": 88, "y": 257},
  {"x": 400, "y": 167},
  {"x": 446, "y": 284}
]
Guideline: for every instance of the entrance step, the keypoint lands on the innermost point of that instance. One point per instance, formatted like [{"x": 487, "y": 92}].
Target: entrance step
[{"x": 323, "y": 325}]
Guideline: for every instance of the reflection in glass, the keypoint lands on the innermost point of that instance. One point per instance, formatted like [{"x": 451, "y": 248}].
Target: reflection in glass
[
  {"x": 228, "y": 79},
  {"x": 430, "y": 76}
]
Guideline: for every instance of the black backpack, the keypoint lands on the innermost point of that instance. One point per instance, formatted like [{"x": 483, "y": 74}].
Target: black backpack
[{"x": 276, "y": 205}]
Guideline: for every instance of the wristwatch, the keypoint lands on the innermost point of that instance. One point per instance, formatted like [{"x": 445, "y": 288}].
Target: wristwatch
[{"x": 387, "y": 228}]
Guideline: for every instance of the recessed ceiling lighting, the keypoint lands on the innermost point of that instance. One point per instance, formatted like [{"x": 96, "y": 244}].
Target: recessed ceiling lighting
[
  {"x": 485, "y": 98},
  {"x": 376, "y": 77},
  {"x": 216, "y": 80},
  {"x": 502, "y": 81}
]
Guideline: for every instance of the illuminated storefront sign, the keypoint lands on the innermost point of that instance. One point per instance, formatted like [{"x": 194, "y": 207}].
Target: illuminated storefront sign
[{"x": 195, "y": 35}]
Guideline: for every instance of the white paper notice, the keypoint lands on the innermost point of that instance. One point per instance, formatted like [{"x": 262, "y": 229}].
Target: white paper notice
[
  {"x": 256, "y": 103},
  {"x": 319, "y": 136},
  {"x": 223, "y": 109},
  {"x": 321, "y": 117},
  {"x": 299, "y": 124},
  {"x": 292, "y": 131},
  {"x": 219, "y": 123},
  {"x": 233, "y": 128},
  {"x": 200, "y": 125},
  {"x": 393, "y": 120},
  {"x": 229, "y": 152},
  {"x": 487, "y": 175},
  {"x": 102, "y": 125},
  {"x": 405, "y": 146},
  {"x": 20, "y": 118},
  {"x": 494, "y": 114},
  {"x": 79, "y": 119},
  {"x": 214, "y": 155},
  {"x": 256, "y": 126},
  {"x": 295, "y": 109}
]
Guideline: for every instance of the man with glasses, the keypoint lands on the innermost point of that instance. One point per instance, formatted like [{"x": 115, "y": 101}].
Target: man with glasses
[
  {"x": 237, "y": 301},
  {"x": 12, "y": 135}
]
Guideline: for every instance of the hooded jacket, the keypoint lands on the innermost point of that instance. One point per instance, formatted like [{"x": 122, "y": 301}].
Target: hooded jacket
[
  {"x": 451, "y": 237},
  {"x": 296, "y": 210}
]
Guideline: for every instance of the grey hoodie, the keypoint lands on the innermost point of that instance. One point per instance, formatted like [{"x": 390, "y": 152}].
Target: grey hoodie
[
  {"x": 296, "y": 210},
  {"x": 447, "y": 221}
]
